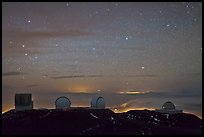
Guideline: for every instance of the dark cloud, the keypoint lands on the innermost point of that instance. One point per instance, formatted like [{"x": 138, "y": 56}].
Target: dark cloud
[
  {"x": 45, "y": 34},
  {"x": 13, "y": 73},
  {"x": 32, "y": 85},
  {"x": 63, "y": 77},
  {"x": 173, "y": 94},
  {"x": 94, "y": 76},
  {"x": 77, "y": 76},
  {"x": 141, "y": 75}
]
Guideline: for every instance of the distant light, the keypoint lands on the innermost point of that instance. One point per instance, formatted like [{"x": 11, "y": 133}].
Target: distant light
[
  {"x": 26, "y": 54},
  {"x": 29, "y": 21},
  {"x": 23, "y": 46},
  {"x": 115, "y": 109},
  {"x": 126, "y": 38},
  {"x": 93, "y": 49},
  {"x": 168, "y": 25},
  {"x": 143, "y": 68}
]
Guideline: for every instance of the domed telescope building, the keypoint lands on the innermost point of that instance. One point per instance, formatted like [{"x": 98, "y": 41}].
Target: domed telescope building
[
  {"x": 62, "y": 103},
  {"x": 98, "y": 103},
  {"x": 169, "y": 107}
]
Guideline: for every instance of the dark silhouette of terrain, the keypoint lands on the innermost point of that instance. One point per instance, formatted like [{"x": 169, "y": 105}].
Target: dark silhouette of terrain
[{"x": 87, "y": 121}]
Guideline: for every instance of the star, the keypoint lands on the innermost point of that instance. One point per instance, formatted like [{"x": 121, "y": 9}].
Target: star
[
  {"x": 29, "y": 21},
  {"x": 126, "y": 38},
  {"x": 142, "y": 68},
  {"x": 187, "y": 12},
  {"x": 19, "y": 68},
  {"x": 168, "y": 25},
  {"x": 23, "y": 46},
  {"x": 107, "y": 9},
  {"x": 93, "y": 49},
  {"x": 26, "y": 54}
]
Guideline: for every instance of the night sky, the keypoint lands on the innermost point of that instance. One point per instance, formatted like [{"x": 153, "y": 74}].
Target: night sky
[{"x": 135, "y": 55}]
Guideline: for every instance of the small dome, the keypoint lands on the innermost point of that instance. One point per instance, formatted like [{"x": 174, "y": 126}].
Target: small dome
[
  {"x": 98, "y": 102},
  {"x": 62, "y": 103},
  {"x": 168, "y": 105}
]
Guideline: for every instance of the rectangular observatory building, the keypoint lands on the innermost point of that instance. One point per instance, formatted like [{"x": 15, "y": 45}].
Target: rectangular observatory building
[{"x": 23, "y": 101}]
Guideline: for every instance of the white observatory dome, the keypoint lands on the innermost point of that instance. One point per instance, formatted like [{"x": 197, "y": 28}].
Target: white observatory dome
[
  {"x": 62, "y": 103},
  {"x": 168, "y": 105},
  {"x": 98, "y": 102}
]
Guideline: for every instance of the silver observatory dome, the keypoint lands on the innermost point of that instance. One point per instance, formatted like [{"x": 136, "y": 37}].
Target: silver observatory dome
[
  {"x": 168, "y": 106},
  {"x": 98, "y": 102},
  {"x": 62, "y": 103}
]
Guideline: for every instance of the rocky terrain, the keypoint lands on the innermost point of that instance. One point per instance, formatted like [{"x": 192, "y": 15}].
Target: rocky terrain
[{"x": 84, "y": 121}]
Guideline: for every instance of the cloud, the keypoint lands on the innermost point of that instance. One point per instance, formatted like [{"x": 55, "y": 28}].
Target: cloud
[
  {"x": 32, "y": 85},
  {"x": 13, "y": 73},
  {"x": 35, "y": 40},
  {"x": 141, "y": 75},
  {"x": 44, "y": 34},
  {"x": 63, "y": 77},
  {"x": 76, "y": 76},
  {"x": 133, "y": 105}
]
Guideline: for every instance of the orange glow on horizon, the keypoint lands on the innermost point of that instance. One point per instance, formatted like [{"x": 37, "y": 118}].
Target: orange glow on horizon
[
  {"x": 121, "y": 110},
  {"x": 79, "y": 89},
  {"x": 134, "y": 92},
  {"x": 7, "y": 109}
]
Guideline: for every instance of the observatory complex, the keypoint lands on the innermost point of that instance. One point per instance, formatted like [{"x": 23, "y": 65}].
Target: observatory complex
[
  {"x": 169, "y": 107},
  {"x": 23, "y": 101}
]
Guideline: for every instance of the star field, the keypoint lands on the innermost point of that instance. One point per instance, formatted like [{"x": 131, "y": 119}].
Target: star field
[{"x": 102, "y": 48}]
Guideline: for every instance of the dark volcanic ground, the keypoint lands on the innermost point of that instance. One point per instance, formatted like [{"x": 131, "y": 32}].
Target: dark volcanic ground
[{"x": 99, "y": 121}]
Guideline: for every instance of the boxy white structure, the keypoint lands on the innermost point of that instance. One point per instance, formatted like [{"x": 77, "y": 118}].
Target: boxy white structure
[
  {"x": 23, "y": 101},
  {"x": 98, "y": 103}
]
